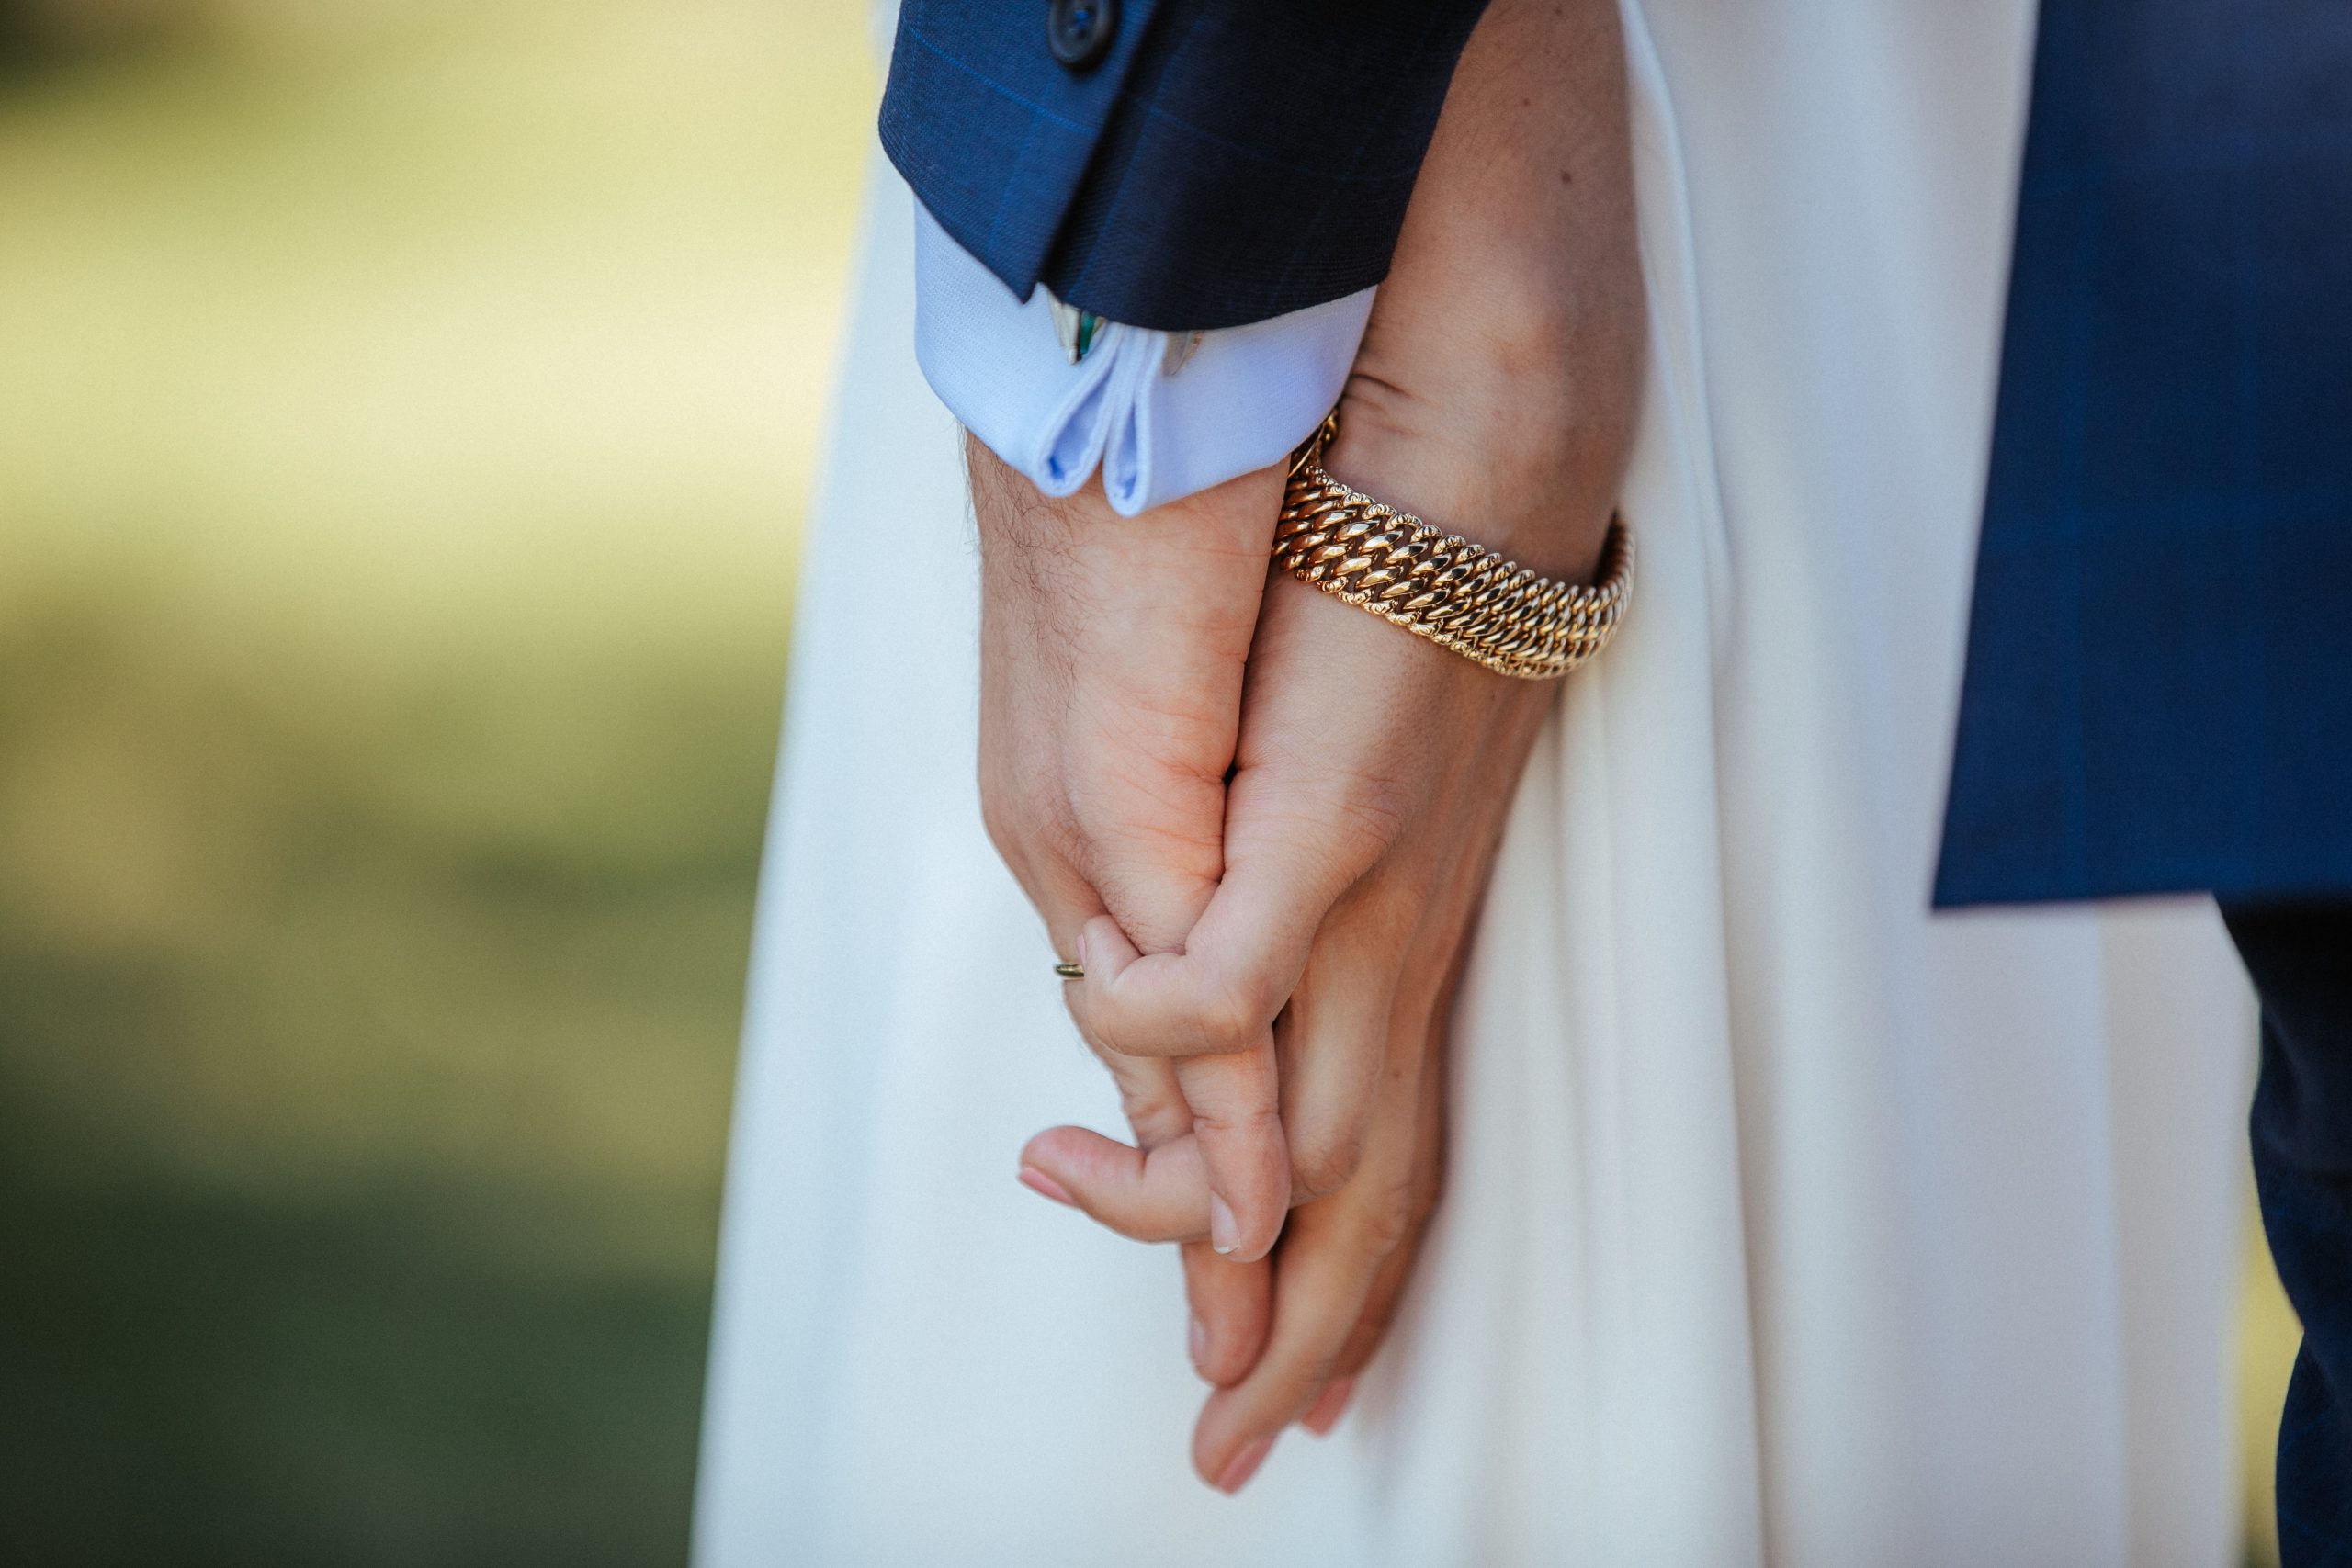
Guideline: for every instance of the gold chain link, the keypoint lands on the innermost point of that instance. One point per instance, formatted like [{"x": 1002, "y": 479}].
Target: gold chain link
[{"x": 1438, "y": 585}]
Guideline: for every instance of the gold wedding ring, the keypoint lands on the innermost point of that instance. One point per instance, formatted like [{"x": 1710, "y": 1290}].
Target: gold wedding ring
[{"x": 1071, "y": 971}]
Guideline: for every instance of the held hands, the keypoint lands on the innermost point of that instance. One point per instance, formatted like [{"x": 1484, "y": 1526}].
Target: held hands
[
  {"x": 1111, "y": 656},
  {"x": 1298, "y": 931}
]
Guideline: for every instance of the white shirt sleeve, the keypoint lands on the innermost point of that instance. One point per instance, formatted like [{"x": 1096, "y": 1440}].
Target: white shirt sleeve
[{"x": 1159, "y": 422}]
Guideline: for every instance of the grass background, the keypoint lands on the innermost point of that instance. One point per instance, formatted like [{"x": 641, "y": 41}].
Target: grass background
[{"x": 405, "y": 411}]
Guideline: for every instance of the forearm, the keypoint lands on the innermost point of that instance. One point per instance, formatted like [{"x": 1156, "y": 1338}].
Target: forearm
[{"x": 1495, "y": 389}]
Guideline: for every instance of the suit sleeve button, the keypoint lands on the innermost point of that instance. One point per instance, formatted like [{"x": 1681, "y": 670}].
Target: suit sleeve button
[{"x": 1080, "y": 31}]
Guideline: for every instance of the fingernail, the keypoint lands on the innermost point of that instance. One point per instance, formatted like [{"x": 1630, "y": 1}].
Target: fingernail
[
  {"x": 1222, "y": 1230},
  {"x": 1045, "y": 1186},
  {"x": 1199, "y": 1341},
  {"x": 1081, "y": 947},
  {"x": 1329, "y": 1407},
  {"x": 1243, "y": 1466}
]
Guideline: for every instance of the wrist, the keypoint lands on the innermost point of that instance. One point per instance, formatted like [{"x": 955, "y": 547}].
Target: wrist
[{"x": 1518, "y": 467}]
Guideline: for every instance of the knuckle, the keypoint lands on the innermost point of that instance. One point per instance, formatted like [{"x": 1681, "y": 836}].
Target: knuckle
[
  {"x": 1116, "y": 1028},
  {"x": 1324, "y": 1160},
  {"x": 1316, "y": 1368},
  {"x": 1391, "y": 1218},
  {"x": 1228, "y": 1123},
  {"x": 1209, "y": 1015},
  {"x": 1052, "y": 829},
  {"x": 1106, "y": 1030},
  {"x": 1155, "y": 1113},
  {"x": 1226, "y": 1017}
]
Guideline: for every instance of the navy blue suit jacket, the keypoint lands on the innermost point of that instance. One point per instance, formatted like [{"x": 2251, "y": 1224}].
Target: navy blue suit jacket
[
  {"x": 2159, "y": 681},
  {"x": 2159, "y": 688},
  {"x": 1225, "y": 161}
]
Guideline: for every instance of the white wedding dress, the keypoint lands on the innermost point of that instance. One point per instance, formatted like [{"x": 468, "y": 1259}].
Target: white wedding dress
[{"x": 1786, "y": 1223}]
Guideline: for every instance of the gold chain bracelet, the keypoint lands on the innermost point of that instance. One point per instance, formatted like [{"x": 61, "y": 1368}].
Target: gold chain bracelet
[{"x": 1438, "y": 585}]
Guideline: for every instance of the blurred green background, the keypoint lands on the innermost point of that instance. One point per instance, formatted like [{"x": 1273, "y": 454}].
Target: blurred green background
[{"x": 406, "y": 408}]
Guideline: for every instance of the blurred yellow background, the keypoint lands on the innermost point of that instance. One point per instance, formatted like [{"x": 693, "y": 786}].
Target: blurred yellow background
[{"x": 406, "y": 408}]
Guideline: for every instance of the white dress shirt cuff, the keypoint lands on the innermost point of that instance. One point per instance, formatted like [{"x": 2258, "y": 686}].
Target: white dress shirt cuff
[{"x": 1160, "y": 424}]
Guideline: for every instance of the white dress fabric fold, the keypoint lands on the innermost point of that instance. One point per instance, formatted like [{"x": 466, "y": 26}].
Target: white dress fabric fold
[{"x": 1787, "y": 1223}]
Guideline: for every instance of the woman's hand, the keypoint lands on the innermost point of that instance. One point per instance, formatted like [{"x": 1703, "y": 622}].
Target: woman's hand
[{"x": 1495, "y": 396}]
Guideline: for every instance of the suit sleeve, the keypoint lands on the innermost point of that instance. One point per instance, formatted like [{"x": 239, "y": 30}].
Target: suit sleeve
[{"x": 1217, "y": 163}]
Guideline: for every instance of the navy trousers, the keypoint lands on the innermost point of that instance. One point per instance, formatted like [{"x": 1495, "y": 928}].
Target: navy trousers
[{"x": 2301, "y": 958}]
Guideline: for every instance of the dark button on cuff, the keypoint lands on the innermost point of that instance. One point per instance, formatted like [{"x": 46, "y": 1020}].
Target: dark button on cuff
[{"x": 1081, "y": 30}]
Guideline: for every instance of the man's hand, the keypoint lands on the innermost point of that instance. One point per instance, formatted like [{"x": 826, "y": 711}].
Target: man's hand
[{"x": 1111, "y": 655}]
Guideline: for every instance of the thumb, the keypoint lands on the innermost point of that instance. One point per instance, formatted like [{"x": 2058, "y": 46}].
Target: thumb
[
  {"x": 1219, "y": 994},
  {"x": 1232, "y": 1181},
  {"x": 1227, "y": 1180},
  {"x": 1160, "y": 1195}
]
